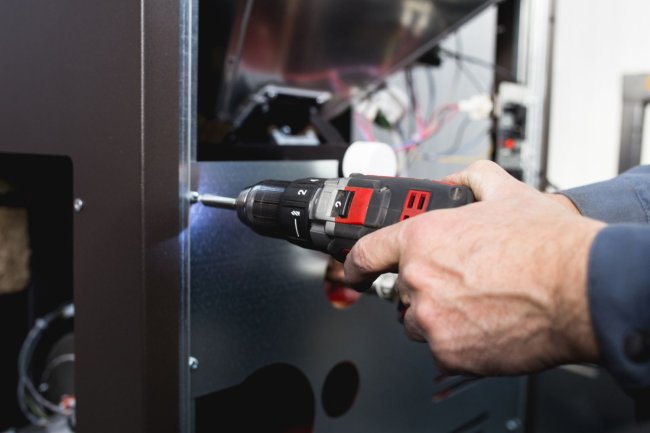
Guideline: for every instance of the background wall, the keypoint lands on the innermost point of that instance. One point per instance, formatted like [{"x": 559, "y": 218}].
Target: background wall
[{"x": 597, "y": 41}]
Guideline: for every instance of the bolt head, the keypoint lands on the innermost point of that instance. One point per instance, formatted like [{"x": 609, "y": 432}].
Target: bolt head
[
  {"x": 78, "y": 204},
  {"x": 513, "y": 424}
]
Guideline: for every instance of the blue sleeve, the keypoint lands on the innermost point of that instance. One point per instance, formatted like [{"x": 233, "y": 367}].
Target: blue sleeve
[
  {"x": 619, "y": 301},
  {"x": 624, "y": 199},
  {"x": 619, "y": 273}
]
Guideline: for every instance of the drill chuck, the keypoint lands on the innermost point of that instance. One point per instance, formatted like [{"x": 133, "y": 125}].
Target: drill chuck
[{"x": 258, "y": 206}]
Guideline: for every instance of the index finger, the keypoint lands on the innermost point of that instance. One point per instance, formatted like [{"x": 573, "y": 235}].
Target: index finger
[{"x": 372, "y": 255}]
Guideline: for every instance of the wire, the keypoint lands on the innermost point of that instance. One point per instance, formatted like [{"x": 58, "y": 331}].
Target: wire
[
  {"x": 459, "y": 145},
  {"x": 32, "y": 404},
  {"x": 460, "y": 67},
  {"x": 498, "y": 69},
  {"x": 431, "y": 85},
  {"x": 417, "y": 115},
  {"x": 364, "y": 126},
  {"x": 460, "y": 134}
]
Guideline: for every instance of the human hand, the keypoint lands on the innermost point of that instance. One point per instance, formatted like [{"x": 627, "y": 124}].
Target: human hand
[
  {"x": 564, "y": 201},
  {"x": 494, "y": 287}
]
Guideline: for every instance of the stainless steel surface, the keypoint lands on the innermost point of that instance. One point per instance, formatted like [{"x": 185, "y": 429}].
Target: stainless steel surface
[
  {"x": 217, "y": 201},
  {"x": 258, "y": 301},
  {"x": 636, "y": 95},
  {"x": 535, "y": 59},
  {"x": 340, "y": 46}
]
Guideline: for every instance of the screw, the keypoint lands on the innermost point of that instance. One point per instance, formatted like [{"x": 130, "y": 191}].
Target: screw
[
  {"x": 78, "y": 205},
  {"x": 286, "y": 129},
  {"x": 513, "y": 424},
  {"x": 193, "y": 363}
]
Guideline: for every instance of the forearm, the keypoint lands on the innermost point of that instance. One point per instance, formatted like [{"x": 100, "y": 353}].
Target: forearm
[
  {"x": 619, "y": 299},
  {"x": 624, "y": 199}
]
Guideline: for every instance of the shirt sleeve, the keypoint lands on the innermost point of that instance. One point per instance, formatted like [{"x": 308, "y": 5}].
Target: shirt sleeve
[
  {"x": 624, "y": 199},
  {"x": 619, "y": 301},
  {"x": 619, "y": 274}
]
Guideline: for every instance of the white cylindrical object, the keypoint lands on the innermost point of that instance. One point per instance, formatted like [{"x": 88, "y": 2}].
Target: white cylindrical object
[{"x": 371, "y": 158}]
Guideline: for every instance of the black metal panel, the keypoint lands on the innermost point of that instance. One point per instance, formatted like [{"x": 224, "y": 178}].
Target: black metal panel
[
  {"x": 258, "y": 302},
  {"x": 99, "y": 82}
]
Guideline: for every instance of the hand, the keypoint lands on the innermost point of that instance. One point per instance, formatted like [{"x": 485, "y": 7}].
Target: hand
[
  {"x": 564, "y": 201},
  {"x": 494, "y": 287}
]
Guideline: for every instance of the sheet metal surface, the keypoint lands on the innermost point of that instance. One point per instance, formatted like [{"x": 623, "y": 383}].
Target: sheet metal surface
[
  {"x": 341, "y": 46},
  {"x": 258, "y": 301}
]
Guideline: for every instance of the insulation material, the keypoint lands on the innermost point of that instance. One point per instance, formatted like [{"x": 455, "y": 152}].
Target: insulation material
[{"x": 14, "y": 250}]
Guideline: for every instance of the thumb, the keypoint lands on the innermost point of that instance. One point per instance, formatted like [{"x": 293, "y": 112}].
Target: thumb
[{"x": 486, "y": 179}]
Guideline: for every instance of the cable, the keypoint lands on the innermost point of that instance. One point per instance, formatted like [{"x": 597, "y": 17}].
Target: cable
[
  {"x": 431, "y": 84},
  {"x": 31, "y": 402},
  {"x": 498, "y": 69},
  {"x": 460, "y": 133},
  {"x": 459, "y": 64}
]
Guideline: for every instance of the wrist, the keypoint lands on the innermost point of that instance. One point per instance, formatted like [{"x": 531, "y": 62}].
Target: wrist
[
  {"x": 573, "y": 314},
  {"x": 563, "y": 200}
]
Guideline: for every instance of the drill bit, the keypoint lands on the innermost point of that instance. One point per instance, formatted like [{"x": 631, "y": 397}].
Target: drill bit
[{"x": 213, "y": 200}]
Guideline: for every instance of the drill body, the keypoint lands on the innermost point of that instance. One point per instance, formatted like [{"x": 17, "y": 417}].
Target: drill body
[{"x": 330, "y": 215}]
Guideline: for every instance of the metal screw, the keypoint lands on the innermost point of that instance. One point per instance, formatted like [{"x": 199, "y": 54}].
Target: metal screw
[
  {"x": 193, "y": 363},
  {"x": 78, "y": 205},
  {"x": 286, "y": 129},
  {"x": 513, "y": 424}
]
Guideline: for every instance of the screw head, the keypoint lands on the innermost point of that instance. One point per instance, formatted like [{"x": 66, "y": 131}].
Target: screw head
[
  {"x": 193, "y": 363},
  {"x": 513, "y": 424},
  {"x": 78, "y": 205}
]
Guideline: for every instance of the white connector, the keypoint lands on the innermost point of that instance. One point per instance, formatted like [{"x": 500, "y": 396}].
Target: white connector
[
  {"x": 391, "y": 102},
  {"x": 478, "y": 107}
]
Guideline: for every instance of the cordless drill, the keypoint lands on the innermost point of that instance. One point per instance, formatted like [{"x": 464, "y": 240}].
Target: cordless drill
[{"x": 330, "y": 215}]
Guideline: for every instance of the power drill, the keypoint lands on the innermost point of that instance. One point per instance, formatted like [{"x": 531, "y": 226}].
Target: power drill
[{"x": 330, "y": 215}]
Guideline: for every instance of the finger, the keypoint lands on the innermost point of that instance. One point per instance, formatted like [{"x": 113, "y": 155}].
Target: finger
[
  {"x": 403, "y": 291},
  {"x": 373, "y": 254},
  {"x": 413, "y": 330},
  {"x": 485, "y": 178}
]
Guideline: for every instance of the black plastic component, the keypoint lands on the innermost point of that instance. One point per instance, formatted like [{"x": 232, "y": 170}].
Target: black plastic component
[
  {"x": 282, "y": 209},
  {"x": 342, "y": 203}
]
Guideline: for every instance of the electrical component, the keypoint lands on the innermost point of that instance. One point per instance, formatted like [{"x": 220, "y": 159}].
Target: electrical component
[
  {"x": 512, "y": 114},
  {"x": 478, "y": 107}
]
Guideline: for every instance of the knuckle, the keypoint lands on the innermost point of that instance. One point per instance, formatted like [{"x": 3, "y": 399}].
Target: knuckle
[
  {"x": 422, "y": 315},
  {"x": 359, "y": 257},
  {"x": 409, "y": 276},
  {"x": 482, "y": 165}
]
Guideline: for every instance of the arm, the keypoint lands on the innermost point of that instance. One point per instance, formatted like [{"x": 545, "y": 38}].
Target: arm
[
  {"x": 619, "y": 280},
  {"x": 624, "y": 199},
  {"x": 619, "y": 299},
  {"x": 515, "y": 274}
]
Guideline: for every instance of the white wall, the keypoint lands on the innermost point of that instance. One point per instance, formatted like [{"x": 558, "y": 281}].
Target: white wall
[{"x": 597, "y": 41}]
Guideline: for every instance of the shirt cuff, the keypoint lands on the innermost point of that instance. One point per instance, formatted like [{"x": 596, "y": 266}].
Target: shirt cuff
[{"x": 619, "y": 301}]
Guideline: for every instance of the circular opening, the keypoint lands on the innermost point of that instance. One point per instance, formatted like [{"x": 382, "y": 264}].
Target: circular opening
[
  {"x": 340, "y": 389},
  {"x": 338, "y": 294},
  {"x": 274, "y": 399}
]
